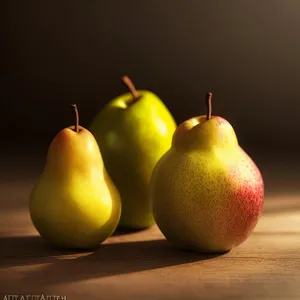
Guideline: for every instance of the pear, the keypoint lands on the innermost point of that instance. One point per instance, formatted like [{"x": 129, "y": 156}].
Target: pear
[
  {"x": 206, "y": 192},
  {"x": 75, "y": 204},
  {"x": 133, "y": 131}
]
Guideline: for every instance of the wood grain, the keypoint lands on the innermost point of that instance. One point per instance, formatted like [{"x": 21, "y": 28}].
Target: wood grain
[{"x": 143, "y": 265}]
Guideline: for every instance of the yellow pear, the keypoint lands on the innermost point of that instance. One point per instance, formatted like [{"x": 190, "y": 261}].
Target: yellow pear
[{"x": 75, "y": 204}]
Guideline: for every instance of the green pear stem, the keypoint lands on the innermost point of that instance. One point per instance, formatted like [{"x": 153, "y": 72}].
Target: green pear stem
[
  {"x": 208, "y": 103},
  {"x": 76, "y": 116},
  {"x": 135, "y": 94}
]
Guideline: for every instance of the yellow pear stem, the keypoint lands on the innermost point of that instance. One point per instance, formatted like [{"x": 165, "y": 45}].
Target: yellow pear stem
[
  {"x": 208, "y": 103},
  {"x": 126, "y": 80},
  {"x": 76, "y": 117}
]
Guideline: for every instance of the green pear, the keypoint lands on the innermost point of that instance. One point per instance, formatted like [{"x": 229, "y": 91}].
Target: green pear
[
  {"x": 75, "y": 204},
  {"x": 206, "y": 192},
  {"x": 133, "y": 131}
]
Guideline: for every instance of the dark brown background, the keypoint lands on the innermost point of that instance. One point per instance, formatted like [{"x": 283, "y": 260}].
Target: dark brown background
[{"x": 59, "y": 52}]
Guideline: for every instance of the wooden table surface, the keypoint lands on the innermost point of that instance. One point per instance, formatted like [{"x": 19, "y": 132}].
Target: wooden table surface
[{"x": 143, "y": 265}]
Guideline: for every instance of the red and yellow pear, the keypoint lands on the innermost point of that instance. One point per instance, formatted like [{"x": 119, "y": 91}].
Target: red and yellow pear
[{"x": 206, "y": 192}]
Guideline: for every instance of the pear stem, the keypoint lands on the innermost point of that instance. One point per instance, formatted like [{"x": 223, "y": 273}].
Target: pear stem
[
  {"x": 76, "y": 116},
  {"x": 126, "y": 80},
  {"x": 208, "y": 103}
]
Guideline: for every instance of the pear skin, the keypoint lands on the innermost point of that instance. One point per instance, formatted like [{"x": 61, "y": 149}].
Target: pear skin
[
  {"x": 133, "y": 131},
  {"x": 75, "y": 204},
  {"x": 206, "y": 192}
]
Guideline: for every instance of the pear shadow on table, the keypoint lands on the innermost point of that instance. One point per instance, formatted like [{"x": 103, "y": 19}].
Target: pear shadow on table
[
  {"x": 109, "y": 260},
  {"x": 19, "y": 250},
  {"x": 125, "y": 231}
]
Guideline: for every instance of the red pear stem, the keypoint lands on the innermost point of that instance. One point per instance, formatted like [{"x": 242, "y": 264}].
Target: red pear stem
[
  {"x": 76, "y": 116},
  {"x": 208, "y": 103},
  {"x": 126, "y": 80}
]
